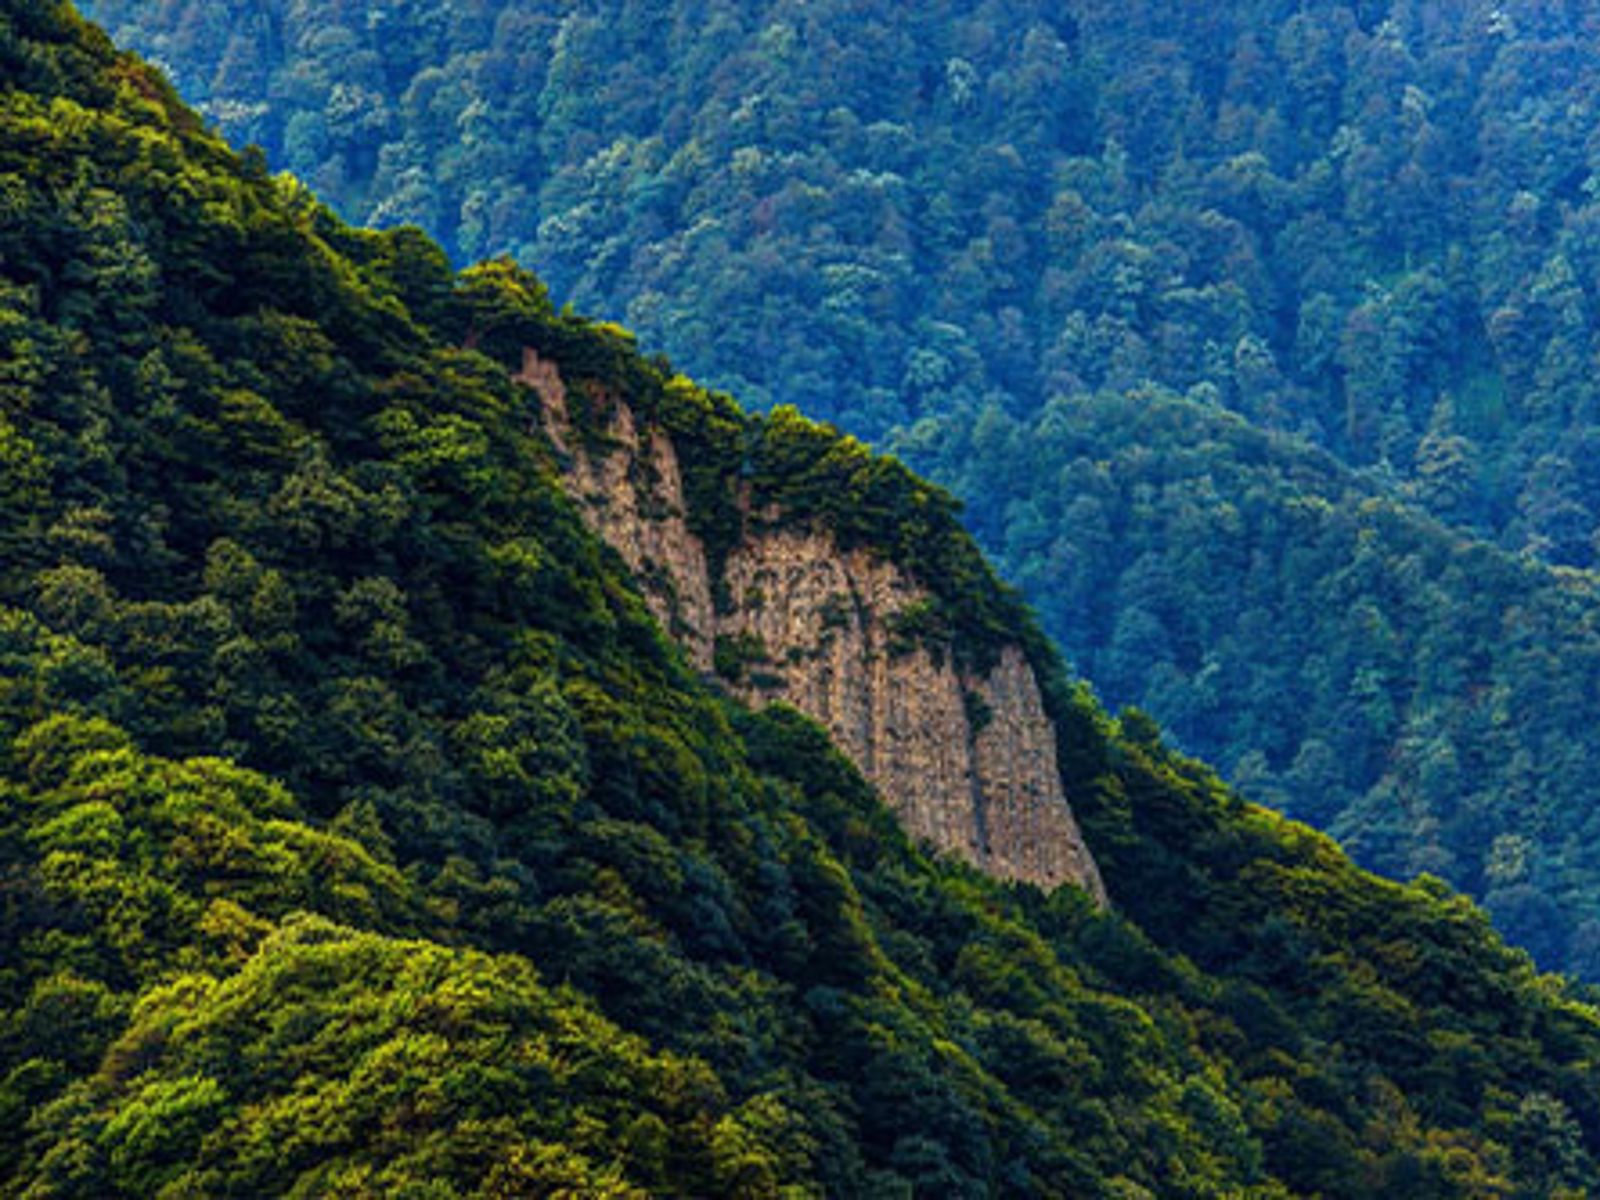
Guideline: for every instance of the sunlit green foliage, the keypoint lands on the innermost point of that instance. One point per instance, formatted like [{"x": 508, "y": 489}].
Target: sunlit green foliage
[{"x": 1372, "y": 224}]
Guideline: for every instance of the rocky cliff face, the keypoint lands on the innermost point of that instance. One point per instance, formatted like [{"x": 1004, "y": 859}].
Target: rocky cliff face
[{"x": 968, "y": 761}]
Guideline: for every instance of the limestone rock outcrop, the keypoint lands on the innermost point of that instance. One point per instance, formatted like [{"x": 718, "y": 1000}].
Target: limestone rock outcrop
[{"x": 967, "y": 761}]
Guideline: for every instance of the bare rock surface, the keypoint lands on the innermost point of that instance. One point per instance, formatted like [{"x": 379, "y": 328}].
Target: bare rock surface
[{"x": 968, "y": 762}]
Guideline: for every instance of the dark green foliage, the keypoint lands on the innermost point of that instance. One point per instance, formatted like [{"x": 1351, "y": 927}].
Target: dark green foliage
[
  {"x": 735, "y": 656},
  {"x": 743, "y": 470},
  {"x": 361, "y": 835}
]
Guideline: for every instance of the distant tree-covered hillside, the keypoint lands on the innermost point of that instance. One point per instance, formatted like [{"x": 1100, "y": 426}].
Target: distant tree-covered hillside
[{"x": 361, "y": 835}]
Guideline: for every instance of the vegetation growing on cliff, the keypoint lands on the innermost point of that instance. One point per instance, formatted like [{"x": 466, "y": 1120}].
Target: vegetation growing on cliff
[
  {"x": 360, "y": 833},
  {"x": 742, "y": 471}
]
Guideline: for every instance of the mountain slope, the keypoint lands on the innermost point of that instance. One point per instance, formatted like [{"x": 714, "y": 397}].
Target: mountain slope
[
  {"x": 1371, "y": 226},
  {"x": 361, "y": 832}
]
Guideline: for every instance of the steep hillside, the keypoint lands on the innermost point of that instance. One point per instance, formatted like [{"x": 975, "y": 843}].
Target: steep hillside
[
  {"x": 361, "y": 833},
  {"x": 1444, "y": 693},
  {"x": 1371, "y": 226}
]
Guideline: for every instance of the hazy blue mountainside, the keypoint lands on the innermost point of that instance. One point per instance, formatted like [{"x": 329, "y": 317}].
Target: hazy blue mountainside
[
  {"x": 361, "y": 834},
  {"x": 1373, "y": 227}
]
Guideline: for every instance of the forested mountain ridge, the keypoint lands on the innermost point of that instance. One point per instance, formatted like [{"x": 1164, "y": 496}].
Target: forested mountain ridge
[
  {"x": 361, "y": 833},
  {"x": 1370, "y": 226}
]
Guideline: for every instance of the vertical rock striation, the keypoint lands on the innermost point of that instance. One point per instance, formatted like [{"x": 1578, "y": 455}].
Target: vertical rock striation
[{"x": 968, "y": 761}]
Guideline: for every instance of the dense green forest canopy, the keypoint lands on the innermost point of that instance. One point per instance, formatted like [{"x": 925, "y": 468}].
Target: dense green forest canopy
[
  {"x": 1366, "y": 223},
  {"x": 361, "y": 834},
  {"x": 1370, "y": 226}
]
